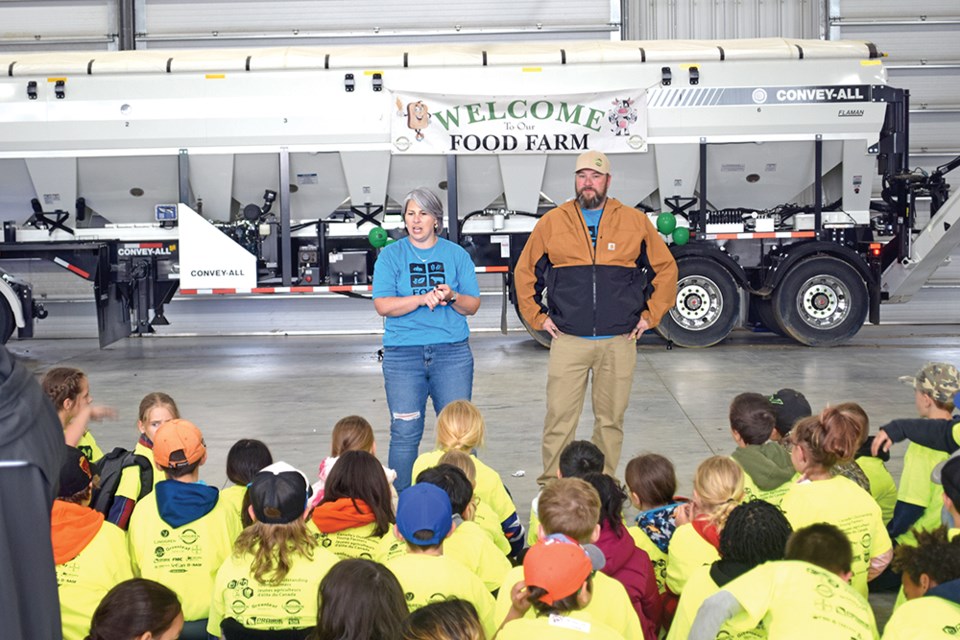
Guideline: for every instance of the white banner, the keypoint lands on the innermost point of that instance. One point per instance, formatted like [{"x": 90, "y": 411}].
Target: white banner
[{"x": 434, "y": 123}]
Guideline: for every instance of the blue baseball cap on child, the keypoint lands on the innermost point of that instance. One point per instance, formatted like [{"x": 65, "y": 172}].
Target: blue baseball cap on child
[{"x": 424, "y": 507}]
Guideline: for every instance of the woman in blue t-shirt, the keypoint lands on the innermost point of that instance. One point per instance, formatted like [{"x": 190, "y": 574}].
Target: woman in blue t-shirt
[{"x": 424, "y": 286}]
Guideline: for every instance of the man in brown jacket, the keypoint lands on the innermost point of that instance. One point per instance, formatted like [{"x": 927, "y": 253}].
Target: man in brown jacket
[{"x": 589, "y": 255}]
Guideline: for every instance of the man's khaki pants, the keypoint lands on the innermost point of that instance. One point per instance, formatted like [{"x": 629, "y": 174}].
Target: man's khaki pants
[{"x": 572, "y": 359}]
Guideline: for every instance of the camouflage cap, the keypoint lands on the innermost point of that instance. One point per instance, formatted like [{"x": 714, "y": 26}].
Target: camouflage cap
[{"x": 939, "y": 380}]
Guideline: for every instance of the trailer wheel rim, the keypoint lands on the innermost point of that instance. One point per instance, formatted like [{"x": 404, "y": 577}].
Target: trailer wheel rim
[
  {"x": 699, "y": 303},
  {"x": 823, "y": 302}
]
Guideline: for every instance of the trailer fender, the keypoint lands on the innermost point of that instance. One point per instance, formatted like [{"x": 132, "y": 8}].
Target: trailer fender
[
  {"x": 13, "y": 301},
  {"x": 714, "y": 253}
]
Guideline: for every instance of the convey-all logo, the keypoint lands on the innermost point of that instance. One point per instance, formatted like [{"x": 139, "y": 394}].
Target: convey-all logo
[{"x": 822, "y": 94}]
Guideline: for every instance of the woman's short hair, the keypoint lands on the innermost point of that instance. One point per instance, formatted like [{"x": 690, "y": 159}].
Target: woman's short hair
[
  {"x": 133, "y": 608},
  {"x": 428, "y": 203}
]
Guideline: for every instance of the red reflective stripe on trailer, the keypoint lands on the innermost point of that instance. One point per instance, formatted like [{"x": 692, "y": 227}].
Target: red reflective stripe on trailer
[
  {"x": 492, "y": 269},
  {"x": 188, "y": 292},
  {"x": 151, "y": 245},
  {"x": 763, "y": 235},
  {"x": 223, "y": 291},
  {"x": 303, "y": 289},
  {"x": 264, "y": 290},
  {"x": 343, "y": 289},
  {"x": 66, "y": 265}
]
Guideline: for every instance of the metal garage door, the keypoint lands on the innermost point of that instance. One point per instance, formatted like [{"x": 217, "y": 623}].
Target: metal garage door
[
  {"x": 184, "y": 23},
  {"x": 58, "y": 25}
]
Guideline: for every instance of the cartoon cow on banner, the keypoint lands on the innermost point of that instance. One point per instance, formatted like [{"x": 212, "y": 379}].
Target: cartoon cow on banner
[
  {"x": 418, "y": 116},
  {"x": 622, "y": 116}
]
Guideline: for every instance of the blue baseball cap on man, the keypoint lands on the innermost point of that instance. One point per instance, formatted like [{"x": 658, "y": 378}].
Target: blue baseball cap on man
[{"x": 424, "y": 507}]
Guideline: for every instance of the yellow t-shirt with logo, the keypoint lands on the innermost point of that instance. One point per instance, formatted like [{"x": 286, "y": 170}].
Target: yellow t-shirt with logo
[
  {"x": 688, "y": 551},
  {"x": 699, "y": 587},
  {"x": 129, "y": 486},
  {"x": 83, "y": 581},
  {"x": 184, "y": 558},
  {"x": 557, "y": 627},
  {"x": 468, "y": 545},
  {"x": 487, "y": 520},
  {"x": 918, "y": 489},
  {"x": 355, "y": 542},
  {"x": 489, "y": 489},
  {"x": 292, "y": 604},
  {"x": 389, "y": 547},
  {"x": 882, "y": 487},
  {"x": 797, "y": 600},
  {"x": 924, "y": 618},
  {"x": 657, "y": 557},
  {"x": 427, "y": 578},
  {"x": 471, "y": 547},
  {"x": 842, "y": 503},
  {"x": 752, "y": 492},
  {"x": 89, "y": 447},
  {"x": 610, "y": 605}
]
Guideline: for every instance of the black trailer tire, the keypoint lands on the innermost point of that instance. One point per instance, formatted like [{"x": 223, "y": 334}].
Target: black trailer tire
[
  {"x": 763, "y": 309},
  {"x": 7, "y": 323},
  {"x": 821, "y": 302},
  {"x": 707, "y": 307},
  {"x": 542, "y": 337}
]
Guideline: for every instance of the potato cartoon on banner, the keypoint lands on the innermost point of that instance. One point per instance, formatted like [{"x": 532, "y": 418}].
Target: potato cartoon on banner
[{"x": 433, "y": 123}]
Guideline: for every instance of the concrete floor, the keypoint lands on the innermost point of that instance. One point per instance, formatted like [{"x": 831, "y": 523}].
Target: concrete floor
[{"x": 289, "y": 391}]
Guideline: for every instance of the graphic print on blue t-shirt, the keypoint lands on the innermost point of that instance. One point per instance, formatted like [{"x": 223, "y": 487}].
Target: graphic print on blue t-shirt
[
  {"x": 424, "y": 277},
  {"x": 592, "y": 218}
]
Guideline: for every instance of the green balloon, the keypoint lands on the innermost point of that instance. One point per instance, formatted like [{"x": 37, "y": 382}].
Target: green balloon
[
  {"x": 391, "y": 241},
  {"x": 681, "y": 235},
  {"x": 377, "y": 237},
  {"x": 666, "y": 223}
]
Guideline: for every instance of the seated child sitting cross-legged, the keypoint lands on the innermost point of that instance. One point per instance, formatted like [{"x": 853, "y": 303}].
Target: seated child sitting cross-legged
[
  {"x": 424, "y": 520},
  {"x": 807, "y": 595},
  {"x": 557, "y": 579},
  {"x": 570, "y": 506}
]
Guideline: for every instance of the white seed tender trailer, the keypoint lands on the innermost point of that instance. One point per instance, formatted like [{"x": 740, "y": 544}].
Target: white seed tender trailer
[{"x": 280, "y": 170}]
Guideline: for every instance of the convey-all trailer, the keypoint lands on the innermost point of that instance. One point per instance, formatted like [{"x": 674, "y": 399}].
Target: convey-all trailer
[{"x": 280, "y": 171}]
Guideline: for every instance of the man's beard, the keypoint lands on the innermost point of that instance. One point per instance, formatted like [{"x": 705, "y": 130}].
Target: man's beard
[{"x": 592, "y": 201}]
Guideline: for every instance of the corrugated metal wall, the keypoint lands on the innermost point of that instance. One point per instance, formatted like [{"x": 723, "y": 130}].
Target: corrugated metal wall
[
  {"x": 59, "y": 25},
  {"x": 105, "y": 24},
  {"x": 922, "y": 41},
  {"x": 722, "y": 19},
  {"x": 227, "y": 22}
]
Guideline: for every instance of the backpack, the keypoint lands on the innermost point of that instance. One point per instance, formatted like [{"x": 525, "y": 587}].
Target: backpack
[{"x": 110, "y": 468}]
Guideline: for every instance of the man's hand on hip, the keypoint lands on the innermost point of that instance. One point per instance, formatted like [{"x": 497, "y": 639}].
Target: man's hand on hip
[
  {"x": 551, "y": 328},
  {"x": 639, "y": 329}
]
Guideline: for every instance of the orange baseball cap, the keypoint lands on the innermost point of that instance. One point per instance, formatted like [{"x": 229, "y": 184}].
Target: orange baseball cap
[
  {"x": 178, "y": 443},
  {"x": 557, "y": 565}
]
